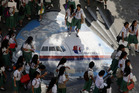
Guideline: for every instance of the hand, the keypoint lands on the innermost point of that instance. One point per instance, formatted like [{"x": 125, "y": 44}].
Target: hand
[
  {"x": 15, "y": 85},
  {"x": 45, "y": 73}
]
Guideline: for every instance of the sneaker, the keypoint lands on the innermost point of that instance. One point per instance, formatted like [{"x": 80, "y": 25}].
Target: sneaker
[
  {"x": 3, "y": 89},
  {"x": 77, "y": 35}
]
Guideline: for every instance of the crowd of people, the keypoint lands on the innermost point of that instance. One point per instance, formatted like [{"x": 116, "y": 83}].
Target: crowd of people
[
  {"x": 120, "y": 67},
  {"x": 14, "y": 16}
]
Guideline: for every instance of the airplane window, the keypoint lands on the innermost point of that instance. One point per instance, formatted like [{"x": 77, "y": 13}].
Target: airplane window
[
  {"x": 58, "y": 48},
  {"x": 52, "y": 48},
  {"x": 63, "y": 48},
  {"x": 45, "y": 48}
]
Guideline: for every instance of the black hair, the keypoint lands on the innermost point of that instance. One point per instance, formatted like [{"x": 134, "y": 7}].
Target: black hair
[
  {"x": 5, "y": 43},
  {"x": 35, "y": 74},
  {"x": 62, "y": 61},
  {"x": 42, "y": 67},
  {"x": 127, "y": 71},
  {"x": 132, "y": 25},
  {"x": 72, "y": 9},
  {"x": 120, "y": 47},
  {"x": 91, "y": 64},
  {"x": 79, "y": 5},
  {"x": 29, "y": 40},
  {"x": 126, "y": 63},
  {"x": 35, "y": 59},
  {"x": 11, "y": 32},
  {"x": 19, "y": 66},
  {"x": 101, "y": 73},
  {"x": 20, "y": 62},
  {"x": 51, "y": 84},
  {"x": 126, "y": 23},
  {"x": 123, "y": 54},
  {"x": 61, "y": 71}
]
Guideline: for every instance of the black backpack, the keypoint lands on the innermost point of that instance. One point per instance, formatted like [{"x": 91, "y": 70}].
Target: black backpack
[{"x": 86, "y": 78}]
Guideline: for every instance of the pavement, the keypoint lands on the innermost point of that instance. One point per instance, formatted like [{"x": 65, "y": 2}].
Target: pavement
[{"x": 118, "y": 11}]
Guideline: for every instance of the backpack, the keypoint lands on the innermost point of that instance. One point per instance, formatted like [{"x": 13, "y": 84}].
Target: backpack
[
  {"x": 113, "y": 54},
  {"x": 86, "y": 78}
]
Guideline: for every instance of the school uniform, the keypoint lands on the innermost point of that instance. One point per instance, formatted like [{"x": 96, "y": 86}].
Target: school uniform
[
  {"x": 122, "y": 61},
  {"x": 28, "y": 7},
  {"x": 32, "y": 69},
  {"x": 115, "y": 62},
  {"x": 88, "y": 83},
  {"x": 126, "y": 81},
  {"x": 77, "y": 18},
  {"x": 12, "y": 41},
  {"x": 99, "y": 84},
  {"x": 71, "y": 2},
  {"x": 4, "y": 7},
  {"x": 132, "y": 38},
  {"x": 54, "y": 89},
  {"x": 36, "y": 83},
  {"x": 125, "y": 31},
  {"x": 2, "y": 69},
  {"x": 10, "y": 21},
  {"x": 17, "y": 75},
  {"x": 68, "y": 16},
  {"x": 6, "y": 57},
  {"x": 61, "y": 85},
  {"x": 39, "y": 7},
  {"x": 27, "y": 54},
  {"x": 21, "y": 13}
]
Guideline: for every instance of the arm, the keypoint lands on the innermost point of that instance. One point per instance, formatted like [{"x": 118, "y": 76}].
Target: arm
[
  {"x": 32, "y": 89},
  {"x": 137, "y": 33},
  {"x": 123, "y": 36},
  {"x": 4, "y": 74},
  {"x": 7, "y": 50},
  {"x": 92, "y": 78},
  {"x": 15, "y": 81}
]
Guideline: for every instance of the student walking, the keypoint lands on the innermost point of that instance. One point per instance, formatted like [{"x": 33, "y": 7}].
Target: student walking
[
  {"x": 69, "y": 18},
  {"x": 34, "y": 65},
  {"x": 36, "y": 83},
  {"x": 121, "y": 66},
  {"x": 52, "y": 88},
  {"x": 127, "y": 80},
  {"x": 115, "y": 61},
  {"x": 78, "y": 19},
  {"x": 89, "y": 77},
  {"x": 133, "y": 34},
  {"x": 99, "y": 83},
  {"x": 28, "y": 48},
  {"x": 16, "y": 79},
  {"x": 62, "y": 80}
]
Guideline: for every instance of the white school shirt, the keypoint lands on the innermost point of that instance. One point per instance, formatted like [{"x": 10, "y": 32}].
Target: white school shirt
[
  {"x": 68, "y": 12},
  {"x": 125, "y": 32},
  {"x": 122, "y": 61},
  {"x": 39, "y": 4},
  {"x": 38, "y": 70},
  {"x": 100, "y": 82},
  {"x": 2, "y": 69},
  {"x": 62, "y": 79},
  {"x": 33, "y": 65},
  {"x": 11, "y": 40},
  {"x": 135, "y": 29},
  {"x": 78, "y": 14},
  {"x": 11, "y": 11},
  {"x": 4, "y": 51},
  {"x": 54, "y": 89},
  {"x": 118, "y": 54},
  {"x": 36, "y": 83},
  {"x": 3, "y": 2},
  {"x": 27, "y": 46},
  {"x": 17, "y": 75},
  {"x": 90, "y": 72},
  {"x": 127, "y": 79}
]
